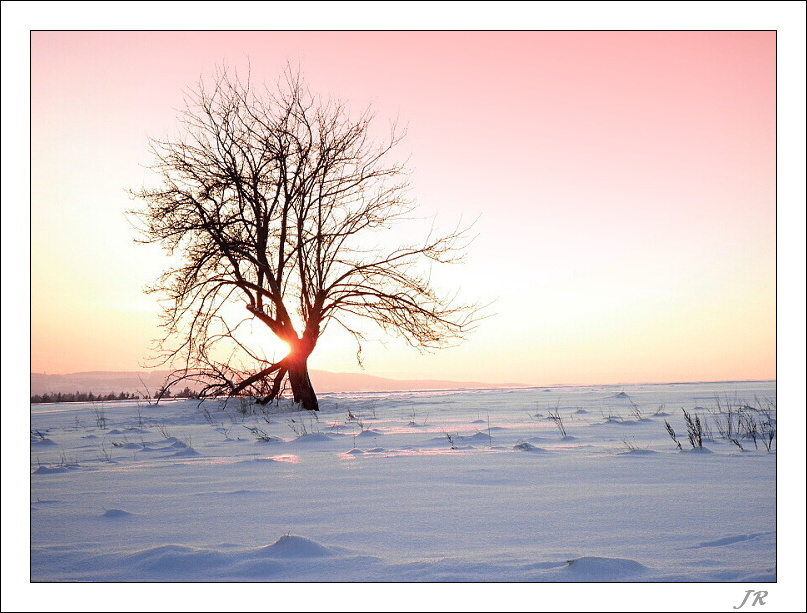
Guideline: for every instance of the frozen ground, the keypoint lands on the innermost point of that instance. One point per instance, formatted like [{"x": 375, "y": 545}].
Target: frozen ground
[
  {"x": 470, "y": 486},
  {"x": 479, "y": 487}
]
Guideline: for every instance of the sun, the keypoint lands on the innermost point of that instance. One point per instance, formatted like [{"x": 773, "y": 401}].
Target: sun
[
  {"x": 253, "y": 334},
  {"x": 262, "y": 341}
]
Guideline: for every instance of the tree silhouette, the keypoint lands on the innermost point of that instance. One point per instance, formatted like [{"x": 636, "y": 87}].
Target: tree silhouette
[{"x": 272, "y": 200}]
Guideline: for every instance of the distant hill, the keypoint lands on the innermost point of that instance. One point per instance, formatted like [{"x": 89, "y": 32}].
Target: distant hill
[
  {"x": 99, "y": 382},
  {"x": 325, "y": 381}
]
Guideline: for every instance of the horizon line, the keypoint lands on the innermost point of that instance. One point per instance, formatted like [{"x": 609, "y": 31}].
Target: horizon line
[{"x": 490, "y": 385}]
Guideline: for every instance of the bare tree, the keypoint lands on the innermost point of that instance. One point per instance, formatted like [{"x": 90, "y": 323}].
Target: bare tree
[{"x": 270, "y": 198}]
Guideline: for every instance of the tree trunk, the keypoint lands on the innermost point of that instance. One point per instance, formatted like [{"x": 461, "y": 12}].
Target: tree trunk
[{"x": 301, "y": 388}]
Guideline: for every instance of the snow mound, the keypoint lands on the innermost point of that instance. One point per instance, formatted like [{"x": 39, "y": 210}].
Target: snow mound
[
  {"x": 178, "y": 559},
  {"x": 50, "y": 470},
  {"x": 256, "y": 570},
  {"x": 603, "y": 569},
  {"x": 731, "y": 540},
  {"x": 525, "y": 446},
  {"x": 296, "y": 547},
  {"x": 185, "y": 453},
  {"x": 369, "y": 433},
  {"x": 438, "y": 439},
  {"x": 696, "y": 450},
  {"x": 232, "y": 493},
  {"x": 317, "y": 437},
  {"x": 620, "y": 395},
  {"x": 479, "y": 437},
  {"x": 116, "y": 514}
]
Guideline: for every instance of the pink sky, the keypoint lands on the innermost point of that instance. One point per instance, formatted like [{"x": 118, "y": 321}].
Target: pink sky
[{"x": 624, "y": 184}]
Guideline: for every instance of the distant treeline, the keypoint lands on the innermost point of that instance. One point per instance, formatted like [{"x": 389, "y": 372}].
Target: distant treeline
[{"x": 90, "y": 397}]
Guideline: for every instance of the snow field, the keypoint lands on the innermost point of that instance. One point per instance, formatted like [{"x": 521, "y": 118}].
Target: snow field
[{"x": 466, "y": 486}]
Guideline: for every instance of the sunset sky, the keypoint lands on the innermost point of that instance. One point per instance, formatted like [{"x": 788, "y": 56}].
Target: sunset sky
[{"x": 623, "y": 183}]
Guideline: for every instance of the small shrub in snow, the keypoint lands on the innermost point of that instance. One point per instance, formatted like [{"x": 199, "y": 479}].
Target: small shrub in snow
[
  {"x": 694, "y": 430},
  {"x": 64, "y": 462},
  {"x": 413, "y": 422},
  {"x": 245, "y": 406},
  {"x": 631, "y": 446},
  {"x": 635, "y": 411},
  {"x": 767, "y": 432},
  {"x": 765, "y": 428},
  {"x": 100, "y": 418},
  {"x": 298, "y": 427},
  {"x": 671, "y": 432},
  {"x": 706, "y": 430},
  {"x": 260, "y": 434},
  {"x": 105, "y": 455},
  {"x": 749, "y": 428},
  {"x": 555, "y": 417},
  {"x": 208, "y": 416},
  {"x": 611, "y": 417},
  {"x": 727, "y": 418},
  {"x": 736, "y": 420}
]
